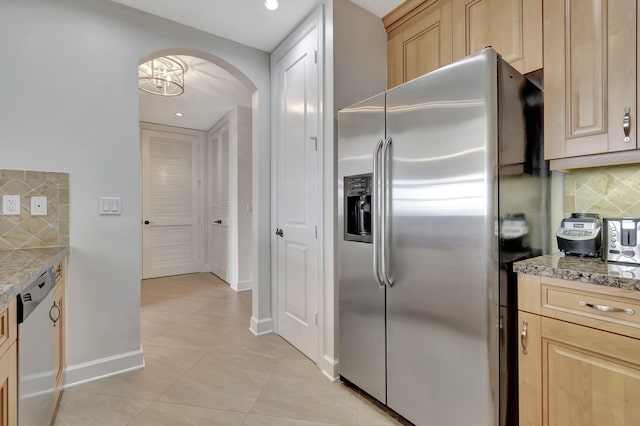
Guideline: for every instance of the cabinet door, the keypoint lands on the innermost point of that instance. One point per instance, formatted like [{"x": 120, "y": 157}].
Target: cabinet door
[
  {"x": 219, "y": 201},
  {"x": 529, "y": 369},
  {"x": 589, "y": 76},
  {"x": 421, "y": 44},
  {"x": 592, "y": 377},
  {"x": 512, "y": 27},
  {"x": 59, "y": 343},
  {"x": 9, "y": 387}
]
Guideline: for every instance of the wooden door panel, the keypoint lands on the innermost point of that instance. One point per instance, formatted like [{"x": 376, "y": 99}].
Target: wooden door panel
[
  {"x": 587, "y": 389},
  {"x": 530, "y": 369},
  {"x": 9, "y": 387},
  {"x": 496, "y": 23},
  {"x": 586, "y": 73},
  {"x": 590, "y": 377},
  {"x": 622, "y": 72},
  {"x": 512, "y": 27},
  {"x": 422, "y": 52},
  {"x": 422, "y": 45},
  {"x": 590, "y": 76}
]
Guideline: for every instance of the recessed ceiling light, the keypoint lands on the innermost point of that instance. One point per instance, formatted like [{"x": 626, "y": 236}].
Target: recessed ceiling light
[
  {"x": 179, "y": 114},
  {"x": 271, "y": 4}
]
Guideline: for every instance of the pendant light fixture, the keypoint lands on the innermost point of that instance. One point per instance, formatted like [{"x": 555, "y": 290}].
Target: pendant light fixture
[
  {"x": 163, "y": 76},
  {"x": 271, "y": 4}
]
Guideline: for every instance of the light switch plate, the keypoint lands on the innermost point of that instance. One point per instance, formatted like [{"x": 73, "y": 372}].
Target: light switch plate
[
  {"x": 38, "y": 206},
  {"x": 110, "y": 205},
  {"x": 11, "y": 205}
]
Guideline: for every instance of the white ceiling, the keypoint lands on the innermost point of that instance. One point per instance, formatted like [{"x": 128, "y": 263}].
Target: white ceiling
[
  {"x": 210, "y": 91},
  {"x": 246, "y": 21}
]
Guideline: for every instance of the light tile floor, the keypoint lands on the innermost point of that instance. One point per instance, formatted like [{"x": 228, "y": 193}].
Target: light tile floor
[{"x": 204, "y": 367}]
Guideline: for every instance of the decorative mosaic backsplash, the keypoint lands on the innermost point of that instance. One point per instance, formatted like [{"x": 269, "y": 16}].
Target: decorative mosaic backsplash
[
  {"x": 26, "y": 231},
  {"x": 609, "y": 191}
]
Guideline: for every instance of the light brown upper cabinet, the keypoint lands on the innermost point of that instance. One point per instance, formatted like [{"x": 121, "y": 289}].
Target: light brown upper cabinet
[
  {"x": 512, "y": 27},
  {"x": 590, "y": 77},
  {"x": 420, "y": 41},
  {"x": 425, "y": 34}
]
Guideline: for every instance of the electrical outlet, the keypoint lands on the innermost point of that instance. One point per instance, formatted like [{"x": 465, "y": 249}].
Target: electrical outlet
[{"x": 11, "y": 205}]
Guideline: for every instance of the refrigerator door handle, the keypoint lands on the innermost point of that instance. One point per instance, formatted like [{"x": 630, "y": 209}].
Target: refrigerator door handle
[
  {"x": 386, "y": 213},
  {"x": 377, "y": 208}
]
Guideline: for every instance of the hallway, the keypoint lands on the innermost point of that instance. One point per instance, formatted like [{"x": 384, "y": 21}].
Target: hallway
[{"x": 204, "y": 367}]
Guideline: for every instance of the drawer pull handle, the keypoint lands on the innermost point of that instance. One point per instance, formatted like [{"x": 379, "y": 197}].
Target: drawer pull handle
[
  {"x": 57, "y": 317},
  {"x": 523, "y": 337},
  {"x": 604, "y": 308},
  {"x": 626, "y": 124}
]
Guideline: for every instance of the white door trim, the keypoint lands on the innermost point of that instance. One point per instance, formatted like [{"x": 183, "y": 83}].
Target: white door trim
[{"x": 314, "y": 21}]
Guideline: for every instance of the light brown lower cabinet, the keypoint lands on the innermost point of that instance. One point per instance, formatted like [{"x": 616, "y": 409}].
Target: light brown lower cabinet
[
  {"x": 8, "y": 366},
  {"x": 9, "y": 387},
  {"x": 59, "y": 343},
  {"x": 577, "y": 375}
]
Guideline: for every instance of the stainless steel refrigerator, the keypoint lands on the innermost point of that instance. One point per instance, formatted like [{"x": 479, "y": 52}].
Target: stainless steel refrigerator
[{"x": 427, "y": 172}]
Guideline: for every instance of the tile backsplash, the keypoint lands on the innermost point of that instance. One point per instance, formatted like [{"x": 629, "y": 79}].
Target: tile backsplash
[
  {"x": 26, "y": 231},
  {"x": 609, "y": 191}
]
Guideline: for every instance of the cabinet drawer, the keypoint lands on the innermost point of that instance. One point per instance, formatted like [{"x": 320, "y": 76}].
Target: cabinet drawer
[
  {"x": 602, "y": 311},
  {"x": 8, "y": 326}
]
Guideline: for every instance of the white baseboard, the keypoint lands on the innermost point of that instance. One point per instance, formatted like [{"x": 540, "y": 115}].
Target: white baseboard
[
  {"x": 243, "y": 286},
  {"x": 330, "y": 368},
  {"x": 102, "y": 368},
  {"x": 260, "y": 327}
]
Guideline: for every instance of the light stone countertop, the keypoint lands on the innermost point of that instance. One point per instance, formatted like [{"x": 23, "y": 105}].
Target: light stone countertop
[
  {"x": 583, "y": 269},
  {"x": 19, "y": 268}
]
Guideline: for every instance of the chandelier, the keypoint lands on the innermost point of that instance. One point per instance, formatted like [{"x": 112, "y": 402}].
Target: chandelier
[{"x": 163, "y": 76}]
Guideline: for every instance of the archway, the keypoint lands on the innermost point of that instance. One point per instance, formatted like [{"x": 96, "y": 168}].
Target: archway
[{"x": 254, "y": 144}]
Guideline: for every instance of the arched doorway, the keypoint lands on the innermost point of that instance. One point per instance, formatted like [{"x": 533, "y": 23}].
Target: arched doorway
[{"x": 195, "y": 197}]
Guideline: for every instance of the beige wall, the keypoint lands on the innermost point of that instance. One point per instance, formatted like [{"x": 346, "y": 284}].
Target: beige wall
[
  {"x": 26, "y": 231},
  {"x": 608, "y": 191}
]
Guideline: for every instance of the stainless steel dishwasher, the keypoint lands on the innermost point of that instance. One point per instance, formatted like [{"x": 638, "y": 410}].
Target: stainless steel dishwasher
[{"x": 37, "y": 315}]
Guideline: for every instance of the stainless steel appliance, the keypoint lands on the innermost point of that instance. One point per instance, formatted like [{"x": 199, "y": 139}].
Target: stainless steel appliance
[
  {"x": 580, "y": 235},
  {"x": 621, "y": 239},
  {"x": 449, "y": 154},
  {"x": 36, "y": 314}
]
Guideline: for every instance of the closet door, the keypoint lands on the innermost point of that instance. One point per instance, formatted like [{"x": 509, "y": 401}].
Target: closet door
[
  {"x": 219, "y": 205},
  {"x": 170, "y": 203}
]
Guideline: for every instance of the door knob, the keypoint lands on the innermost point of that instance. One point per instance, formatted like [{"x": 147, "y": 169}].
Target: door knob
[
  {"x": 280, "y": 233},
  {"x": 146, "y": 222},
  {"x": 219, "y": 222}
]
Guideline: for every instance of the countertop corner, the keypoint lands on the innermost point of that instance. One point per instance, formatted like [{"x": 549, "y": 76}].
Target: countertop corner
[
  {"x": 19, "y": 268},
  {"x": 583, "y": 269}
]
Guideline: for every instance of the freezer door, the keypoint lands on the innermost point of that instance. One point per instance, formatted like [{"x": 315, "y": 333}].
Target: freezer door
[
  {"x": 361, "y": 299},
  {"x": 442, "y": 312}
]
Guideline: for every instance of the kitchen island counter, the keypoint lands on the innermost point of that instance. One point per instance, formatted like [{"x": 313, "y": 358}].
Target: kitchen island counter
[
  {"x": 582, "y": 269},
  {"x": 19, "y": 268}
]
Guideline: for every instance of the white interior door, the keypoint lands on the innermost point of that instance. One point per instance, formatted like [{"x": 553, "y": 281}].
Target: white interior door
[
  {"x": 170, "y": 234},
  {"x": 219, "y": 202},
  {"x": 298, "y": 196}
]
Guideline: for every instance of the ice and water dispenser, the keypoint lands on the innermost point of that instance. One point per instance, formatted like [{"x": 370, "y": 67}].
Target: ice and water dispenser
[{"x": 358, "y": 206}]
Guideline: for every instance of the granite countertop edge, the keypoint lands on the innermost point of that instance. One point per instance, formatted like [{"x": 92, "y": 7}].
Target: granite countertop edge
[
  {"x": 20, "y": 267},
  {"x": 586, "y": 270}
]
